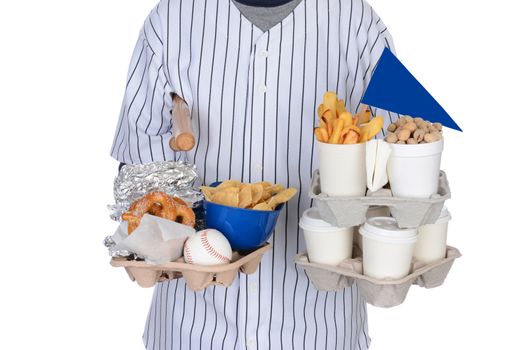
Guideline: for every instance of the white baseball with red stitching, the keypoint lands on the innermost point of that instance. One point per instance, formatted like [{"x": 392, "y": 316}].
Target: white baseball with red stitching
[{"x": 207, "y": 247}]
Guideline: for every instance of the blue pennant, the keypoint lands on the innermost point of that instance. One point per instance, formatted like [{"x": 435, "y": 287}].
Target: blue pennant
[{"x": 394, "y": 88}]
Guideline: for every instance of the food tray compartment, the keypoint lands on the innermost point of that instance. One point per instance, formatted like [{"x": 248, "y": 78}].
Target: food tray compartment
[
  {"x": 197, "y": 277},
  {"x": 346, "y": 211},
  {"x": 382, "y": 293}
]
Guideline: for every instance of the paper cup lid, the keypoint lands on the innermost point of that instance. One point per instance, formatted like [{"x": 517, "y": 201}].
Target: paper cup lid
[
  {"x": 312, "y": 218},
  {"x": 386, "y": 228}
]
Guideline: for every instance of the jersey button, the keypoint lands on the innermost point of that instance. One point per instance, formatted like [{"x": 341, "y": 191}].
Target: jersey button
[
  {"x": 264, "y": 53},
  {"x": 262, "y": 89}
]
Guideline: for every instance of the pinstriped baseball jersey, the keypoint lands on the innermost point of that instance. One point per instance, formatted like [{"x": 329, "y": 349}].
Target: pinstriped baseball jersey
[{"x": 253, "y": 96}]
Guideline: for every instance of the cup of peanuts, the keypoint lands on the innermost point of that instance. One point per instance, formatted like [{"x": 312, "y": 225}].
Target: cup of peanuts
[{"x": 414, "y": 164}]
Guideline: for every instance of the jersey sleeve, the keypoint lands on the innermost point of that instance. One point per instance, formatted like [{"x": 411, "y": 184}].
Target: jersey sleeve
[
  {"x": 371, "y": 37},
  {"x": 144, "y": 126}
]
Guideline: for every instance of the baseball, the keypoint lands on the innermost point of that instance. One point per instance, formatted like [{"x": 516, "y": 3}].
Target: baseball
[{"x": 207, "y": 247}]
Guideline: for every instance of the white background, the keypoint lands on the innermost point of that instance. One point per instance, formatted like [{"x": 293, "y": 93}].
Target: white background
[{"x": 63, "y": 68}]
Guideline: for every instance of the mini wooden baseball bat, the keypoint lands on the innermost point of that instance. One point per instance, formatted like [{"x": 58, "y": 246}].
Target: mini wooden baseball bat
[{"x": 182, "y": 136}]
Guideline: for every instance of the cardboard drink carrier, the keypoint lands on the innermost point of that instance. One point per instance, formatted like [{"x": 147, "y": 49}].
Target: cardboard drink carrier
[
  {"x": 197, "y": 277},
  {"x": 381, "y": 293},
  {"x": 351, "y": 211}
]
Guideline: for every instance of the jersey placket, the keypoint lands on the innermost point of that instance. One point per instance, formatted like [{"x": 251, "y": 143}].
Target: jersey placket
[{"x": 255, "y": 148}]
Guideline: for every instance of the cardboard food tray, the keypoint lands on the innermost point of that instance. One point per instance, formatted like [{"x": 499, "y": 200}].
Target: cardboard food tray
[
  {"x": 351, "y": 211},
  {"x": 197, "y": 276},
  {"x": 381, "y": 293}
]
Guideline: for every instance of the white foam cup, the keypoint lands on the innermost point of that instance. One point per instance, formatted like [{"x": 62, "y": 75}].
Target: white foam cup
[
  {"x": 325, "y": 244},
  {"x": 342, "y": 169},
  {"x": 431, "y": 244},
  {"x": 387, "y": 249},
  {"x": 413, "y": 170}
]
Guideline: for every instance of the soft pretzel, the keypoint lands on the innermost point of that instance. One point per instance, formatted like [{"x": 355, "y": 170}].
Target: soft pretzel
[
  {"x": 156, "y": 208},
  {"x": 159, "y": 204}
]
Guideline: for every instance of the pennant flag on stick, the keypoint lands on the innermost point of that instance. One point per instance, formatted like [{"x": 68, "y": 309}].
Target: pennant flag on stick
[{"x": 394, "y": 89}]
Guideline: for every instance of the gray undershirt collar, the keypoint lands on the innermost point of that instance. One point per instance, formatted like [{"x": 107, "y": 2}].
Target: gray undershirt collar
[{"x": 265, "y": 18}]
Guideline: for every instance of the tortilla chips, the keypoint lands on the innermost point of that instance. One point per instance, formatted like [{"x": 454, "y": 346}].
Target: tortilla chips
[{"x": 257, "y": 196}]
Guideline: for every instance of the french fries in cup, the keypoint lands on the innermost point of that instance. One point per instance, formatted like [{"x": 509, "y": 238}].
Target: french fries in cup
[
  {"x": 341, "y": 139},
  {"x": 337, "y": 126}
]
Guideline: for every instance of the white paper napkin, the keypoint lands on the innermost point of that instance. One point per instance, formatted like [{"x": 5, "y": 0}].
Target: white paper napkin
[
  {"x": 377, "y": 154},
  {"x": 156, "y": 239}
]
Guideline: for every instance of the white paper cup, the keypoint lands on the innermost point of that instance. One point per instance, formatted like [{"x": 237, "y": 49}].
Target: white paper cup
[
  {"x": 431, "y": 244},
  {"x": 342, "y": 169},
  {"x": 325, "y": 244},
  {"x": 387, "y": 249},
  {"x": 413, "y": 170}
]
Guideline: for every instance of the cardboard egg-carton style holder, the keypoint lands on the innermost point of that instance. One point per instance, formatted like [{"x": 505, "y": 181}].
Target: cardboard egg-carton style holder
[
  {"x": 197, "y": 277},
  {"x": 351, "y": 211},
  {"x": 381, "y": 293}
]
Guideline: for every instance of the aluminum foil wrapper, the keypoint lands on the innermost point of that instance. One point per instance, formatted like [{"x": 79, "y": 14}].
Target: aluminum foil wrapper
[
  {"x": 175, "y": 178},
  {"x": 114, "y": 252}
]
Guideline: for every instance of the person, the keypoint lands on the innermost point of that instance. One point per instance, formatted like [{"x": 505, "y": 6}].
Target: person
[{"x": 253, "y": 73}]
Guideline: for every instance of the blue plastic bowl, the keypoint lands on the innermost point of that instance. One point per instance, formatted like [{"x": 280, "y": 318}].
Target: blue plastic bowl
[{"x": 245, "y": 229}]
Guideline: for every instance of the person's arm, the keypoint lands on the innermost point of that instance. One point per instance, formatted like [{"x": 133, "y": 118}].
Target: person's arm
[
  {"x": 144, "y": 127},
  {"x": 372, "y": 36}
]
